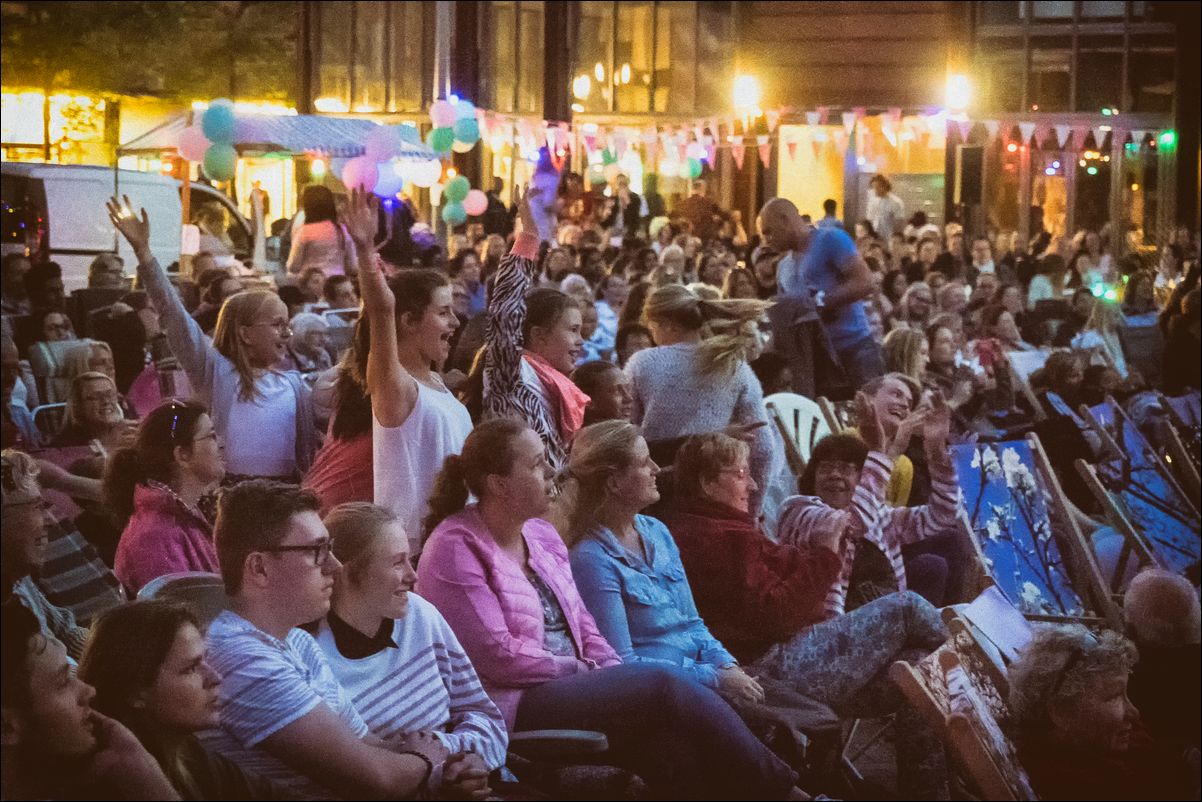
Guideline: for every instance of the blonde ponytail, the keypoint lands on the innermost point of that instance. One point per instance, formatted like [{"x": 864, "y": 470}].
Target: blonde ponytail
[{"x": 729, "y": 328}]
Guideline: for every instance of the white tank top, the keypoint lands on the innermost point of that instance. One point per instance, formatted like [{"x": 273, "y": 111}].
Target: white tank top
[{"x": 407, "y": 458}]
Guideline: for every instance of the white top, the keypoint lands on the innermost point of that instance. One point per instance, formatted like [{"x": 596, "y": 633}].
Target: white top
[
  {"x": 406, "y": 459},
  {"x": 423, "y": 682},
  {"x": 531, "y": 380},
  {"x": 260, "y": 438},
  {"x": 267, "y": 684}
]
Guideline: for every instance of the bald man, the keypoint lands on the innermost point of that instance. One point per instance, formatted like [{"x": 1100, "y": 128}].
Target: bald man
[{"x": 824, "y": 265}]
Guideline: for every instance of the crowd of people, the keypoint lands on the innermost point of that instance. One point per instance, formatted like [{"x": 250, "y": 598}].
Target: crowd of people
[{"x": 531, "y": 483}]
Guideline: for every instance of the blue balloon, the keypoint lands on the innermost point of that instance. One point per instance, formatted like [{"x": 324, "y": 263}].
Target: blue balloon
[
  {"x": 454, "y": 214},
  {"x": 467, "y": 131},
  {"x": 221, "y": 161},
  {"x": 218, "y": 124}
]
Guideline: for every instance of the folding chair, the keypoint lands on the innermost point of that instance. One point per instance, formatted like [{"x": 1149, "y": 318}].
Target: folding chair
[
  {"x": 840, "y": 415},
  {"x": 994, "y": 630},
  {"x": 800, "y": 421},
  {"x": 1026, "y": 541},
  {"x": 49, "y": 418}
]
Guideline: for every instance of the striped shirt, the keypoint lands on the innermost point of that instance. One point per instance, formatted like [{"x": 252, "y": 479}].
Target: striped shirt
[
  {"x": 426, "y": 683},
  {"x": 267, "y": 684},
  {"x": 871, "y": 518}
]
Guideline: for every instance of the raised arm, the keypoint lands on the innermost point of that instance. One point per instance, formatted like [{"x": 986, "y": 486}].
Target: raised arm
[
  {"x": 393, "y": 391},
  {"x": 188, "y": 342},
  {"x": 939, "y": 515}
]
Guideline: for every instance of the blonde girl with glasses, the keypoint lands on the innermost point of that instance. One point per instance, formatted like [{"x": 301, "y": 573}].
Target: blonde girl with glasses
[{"x": 264, "y": 415}]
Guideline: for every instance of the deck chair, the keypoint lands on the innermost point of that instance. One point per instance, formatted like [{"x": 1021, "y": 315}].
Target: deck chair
[
  {"x": 994, "y": 630},
  {"x": 1140, "y": 495},
  {"x": 840, "y": 415},
  {"x": 48, "y": 363},
  {"x": 1026, "y": 541},
  {"x": 800, "y": 420},
  {"x": 49, "y": 418},
  {"x": 1185, "y": 430}
]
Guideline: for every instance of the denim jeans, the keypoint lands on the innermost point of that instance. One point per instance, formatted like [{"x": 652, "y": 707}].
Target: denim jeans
[
  {"x": 682, "y": 738},
  {"x": 862, "y": 362}
]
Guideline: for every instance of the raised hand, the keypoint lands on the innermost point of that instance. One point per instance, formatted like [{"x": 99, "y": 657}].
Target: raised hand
[
  {"x": 906, "y": 430},
  {"x": 522, "y": 198},
  {"x": 362, "y": 219},
  {"x": 868, "y": 424},
  {"x": 135, "y": 230},
  {"x": 938, "y": 425}
]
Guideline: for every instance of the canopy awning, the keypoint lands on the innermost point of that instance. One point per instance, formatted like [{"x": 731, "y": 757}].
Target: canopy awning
[{"x": 331, "y": 137}]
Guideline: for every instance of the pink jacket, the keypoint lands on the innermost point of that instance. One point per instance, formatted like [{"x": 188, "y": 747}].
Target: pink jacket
[
  {"x": 163, "y": 536},
  {"x": 496, "y": 612}
]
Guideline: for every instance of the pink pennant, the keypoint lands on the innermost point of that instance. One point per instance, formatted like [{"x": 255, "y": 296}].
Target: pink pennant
[
  {"x": 738, "y": 151},
  {"x": 991, "y": 128},
  {"x": 765, "y": 154},
  {"x": 791, "y": 146},
  {"x": 840, "y": 138},
  {"x": 823, "y": 114},
  {"x": 773, "y": 117},
  {"x": 817, "y": 146},
  {"x": 895, "y": 113}
]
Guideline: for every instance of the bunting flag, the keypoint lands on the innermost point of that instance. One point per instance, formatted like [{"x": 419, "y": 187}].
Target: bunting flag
[
  {"x": 813, "y": 117},
  {"x": 965, "y": 129},
  {"x": 823, "y": 114},
  {"x": 1064, "y": 136},
  {"x": 849, "y": 122},
  {"x": 791, "y": 146},
  {"x": 1027, "y": 130},
  {"x": 620, "y": 144},
  {"x": 737, "y": 150},
  {"x": 773, "y": 118},
  {"x": 840, "y": 137},
  {"x": 991, "y": 128},
  {"x": 1138, "y": 136},
  {"x": 764, "y": 145},
  {"x": 859, "y": 111},
  {"x": 895, "y": 113},
  {"x": 1080, "y": 133},
  {"x": 1099, "y": 136}
]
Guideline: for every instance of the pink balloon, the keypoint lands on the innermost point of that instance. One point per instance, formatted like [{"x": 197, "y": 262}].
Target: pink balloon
[
  {"x": 475, "y": 203},
  {"x": 360, "y": 172},
  {"x": 442, "y": 114},
  {"x": 193, "y": 144}
]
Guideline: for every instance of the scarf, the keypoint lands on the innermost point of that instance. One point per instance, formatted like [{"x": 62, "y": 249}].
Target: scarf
[{"x": 566, "y": 398}]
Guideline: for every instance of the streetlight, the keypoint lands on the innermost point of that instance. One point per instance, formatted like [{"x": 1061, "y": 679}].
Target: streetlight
[
  {"x": 747, "y": 92},
  {"x": 959, "y": 92},
  {"x": 581, "y": 86}
]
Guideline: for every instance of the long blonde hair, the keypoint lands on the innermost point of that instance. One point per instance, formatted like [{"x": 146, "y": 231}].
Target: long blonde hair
[
  {"x": 729, "y": 328},
  {"x": 902, "y": 349},
  {"x": 73, "y": 414},
  {"x": 598, "y": 452},
  {"x": 79, "y": 359},
  {"x": 355, "y": 528},
  {"x": 238, "y": 310}
]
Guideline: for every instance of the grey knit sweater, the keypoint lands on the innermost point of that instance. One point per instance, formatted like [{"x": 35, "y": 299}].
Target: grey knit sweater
[{"x": 672, "y": 398}]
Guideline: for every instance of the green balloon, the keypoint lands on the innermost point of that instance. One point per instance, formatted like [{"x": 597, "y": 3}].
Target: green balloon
[
  {"x": 456, "y": 190},
  {"x": 694, "y": 168},
  {"x": 220, "y": 161},
  {"x": 608, "y": 157},
  {"x": 467, "y": 131},
  {"x": 440, "y": 140},
  {"x": 453, "y": 213}
]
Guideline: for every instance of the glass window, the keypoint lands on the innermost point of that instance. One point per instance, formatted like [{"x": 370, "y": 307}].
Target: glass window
[
  {"x": 370, "y": 72},
  {"x": 996, "y": 73},
  {"x": 1100, "y": 73},
  {"x": 407, "y": 30},
  {"x": 1001, "y": 12},
  {"x": 1103, "y": 9},
  {"x": 591, "y": 86},
  {"x": 1048, "y": 86},
  {"x": 503, "y": 35},
  {"x": 1052, "y": 9},
  {"x": 715, "y": 59},
  {"x": 633, "y": 56},
  {"x": 675, "y": 57},
  {"x": 530, "y": 61},
  {"x": 334, "y": 48},
  {"x": 1152, "y": 81}
]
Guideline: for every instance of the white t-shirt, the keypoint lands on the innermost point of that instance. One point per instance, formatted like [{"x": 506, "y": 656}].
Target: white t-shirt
[
  {"x": 267, "y": 684},
  {"x": 407, "y": 458},
  {"x": 260, "y": 439}
]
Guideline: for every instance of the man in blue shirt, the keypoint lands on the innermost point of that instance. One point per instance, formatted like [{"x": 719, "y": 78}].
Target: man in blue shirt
[
  {"x": 828, "y": 219},
  {"x": 823, "y": 264}
]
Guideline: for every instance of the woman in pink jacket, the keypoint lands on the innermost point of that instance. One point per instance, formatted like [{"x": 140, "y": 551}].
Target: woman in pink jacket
[
  {"x": 153, "y": 489},
  {"x": 500, "y": 576}
]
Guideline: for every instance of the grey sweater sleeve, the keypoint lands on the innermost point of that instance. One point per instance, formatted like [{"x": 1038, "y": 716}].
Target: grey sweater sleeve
[{"x": 749, "y": 408}]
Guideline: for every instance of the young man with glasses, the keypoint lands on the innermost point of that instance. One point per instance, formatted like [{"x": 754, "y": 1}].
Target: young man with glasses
[{"x": 283, "y": 713}]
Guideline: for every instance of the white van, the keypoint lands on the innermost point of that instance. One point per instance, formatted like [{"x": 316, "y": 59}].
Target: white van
[{"x": 56, "y": 212}]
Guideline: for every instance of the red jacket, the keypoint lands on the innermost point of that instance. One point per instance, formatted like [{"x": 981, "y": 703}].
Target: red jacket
[{"x": 751, "y": 592}]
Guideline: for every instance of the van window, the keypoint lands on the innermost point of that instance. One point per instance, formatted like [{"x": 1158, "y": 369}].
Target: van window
[
  {"x": 23, "y": 215},
  {"x": 214, "y": 213}
]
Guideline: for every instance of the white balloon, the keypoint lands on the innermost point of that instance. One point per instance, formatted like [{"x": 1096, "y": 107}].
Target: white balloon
[
  {"x": 462, "y": 147},
  {"x": 391, "y": 180},
  {"x": 425, "y": 174}
]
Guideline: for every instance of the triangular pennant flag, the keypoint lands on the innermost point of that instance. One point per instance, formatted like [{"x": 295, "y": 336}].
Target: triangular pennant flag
[
  {"x": 773, "y": 117},
  {"x": 737, "y": 151},
  {"x": 840, "y": 137},
  {"x": 1099, "y": 136},
  {"x": 711, "y": 156},
  {"x": 1063, "y": 135},
  {"x": 849, "y": 122},
  {"x": 1138, "y": 136},
  {"x": 1027, "y": 129},
  {"x": 895, "y": 113},
  {"x": 965, "y": 128},
  {"x": 765, "y": 154},
  {"x": 620, "y": 143},
  {"x": 859, "y": 111},
  {"x": 1080, "y": 132},
  {"x": 791, "y": 146},
  {"x": 823, "y": 113},
  {"x": 991, "y": 128},
  {"x": 817, "y": 145},
  {"x": 812, "y": 117}
]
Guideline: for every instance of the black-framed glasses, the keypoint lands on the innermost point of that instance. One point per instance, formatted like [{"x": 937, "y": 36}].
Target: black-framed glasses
[{"x": 321, "y": 550}]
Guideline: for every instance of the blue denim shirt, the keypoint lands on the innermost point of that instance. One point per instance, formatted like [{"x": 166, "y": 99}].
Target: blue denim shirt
[{"x": 645, "y": 608}]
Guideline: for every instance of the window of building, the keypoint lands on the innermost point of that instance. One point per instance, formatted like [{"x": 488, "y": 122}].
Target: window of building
[
  {"x": 997, "y": 73},
  {"x": 1048, "y": 83},
  {"x": 634, "y": 52},
  {"x": 514, "y": 56},
  {"x": 1099, "y": 73},
  {"x": 334, "y": 59},
  {"x": 370, "y": 73},
  {"x": 407, "y": 48},
  {"x": 1152, "y": 81},
  {"x": 530, "y": 56},
  {"x": 675, "y": 57},
  {"x": 1103, "y": 9},
  {"x": 1052, "y": 9},
  {"x": 503, "y": 54},
  {"x": 1002, "y": 12},
  {"x": 592, "y": 87}
]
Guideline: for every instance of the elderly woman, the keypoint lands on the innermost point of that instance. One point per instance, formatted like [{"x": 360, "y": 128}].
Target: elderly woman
[
  {"x": 1080, "y": 736},
  {"x": 94, "y": 415},
  {"x": 307, "y": 349},
  {"x": 914, "y": 308}
]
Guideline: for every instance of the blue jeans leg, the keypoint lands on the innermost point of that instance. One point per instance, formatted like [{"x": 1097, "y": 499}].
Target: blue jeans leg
[
  {"x": 862, "y": 361},
  {"x": 640, "y": 708}
]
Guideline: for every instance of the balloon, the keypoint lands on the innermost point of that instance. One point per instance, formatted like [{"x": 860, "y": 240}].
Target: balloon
[
  {"x": 218, "y": 124},
  {"x": 457, "y": 189},
  {"x": 382, "y": 143},
  {"x": 475, "y": 203},
  {"x": 462, "y": 147},
  {"x": 391, "y": 179},
  {"x": 453, "y": 213},
  {"x": 440, "y": 140},
  {"x": 465, "y": 110},
  {"x": 360, "y": 173},
  {"x": 409, "y": 134},
  {"x": 609, "y": 157},
  {"x": 442, "y": 114},
  {"x": 425, "y": 174},
  {"x": 694, "y": 168},
  {"x": 220, "y": 160},
  {"x": 467, "y": 130},
  {"x": 193, "y": 143}
]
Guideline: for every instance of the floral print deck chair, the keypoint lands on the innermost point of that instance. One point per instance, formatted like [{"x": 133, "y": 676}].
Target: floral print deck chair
[
  {"x": 1142, "y": 497},
  {"x": 1007, "y": 504}
]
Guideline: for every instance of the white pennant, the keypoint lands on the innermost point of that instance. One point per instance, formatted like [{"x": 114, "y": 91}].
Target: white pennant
[
  {"x": 1138, "y": 137},
  {"x": 1062, "y": 134},
  {"x": 992, "y": 127},
  {"x": 849, "y": 122},
  {"x": 1027, "y": 130},
  {"x": 1099, "y": 136},
  {"x": 812, "y": 117}
]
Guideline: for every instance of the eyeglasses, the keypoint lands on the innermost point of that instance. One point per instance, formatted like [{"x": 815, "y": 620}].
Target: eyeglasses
[
  {"x": 741, "y": 473},
  {"x": 281, "y": 326},
  {"x": 321, "y": 550}
]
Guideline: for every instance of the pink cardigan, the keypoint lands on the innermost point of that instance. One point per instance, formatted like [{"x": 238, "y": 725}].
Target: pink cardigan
[
  {"x": 496, "y": 612},
  {"x": 163, "y": 536}
]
